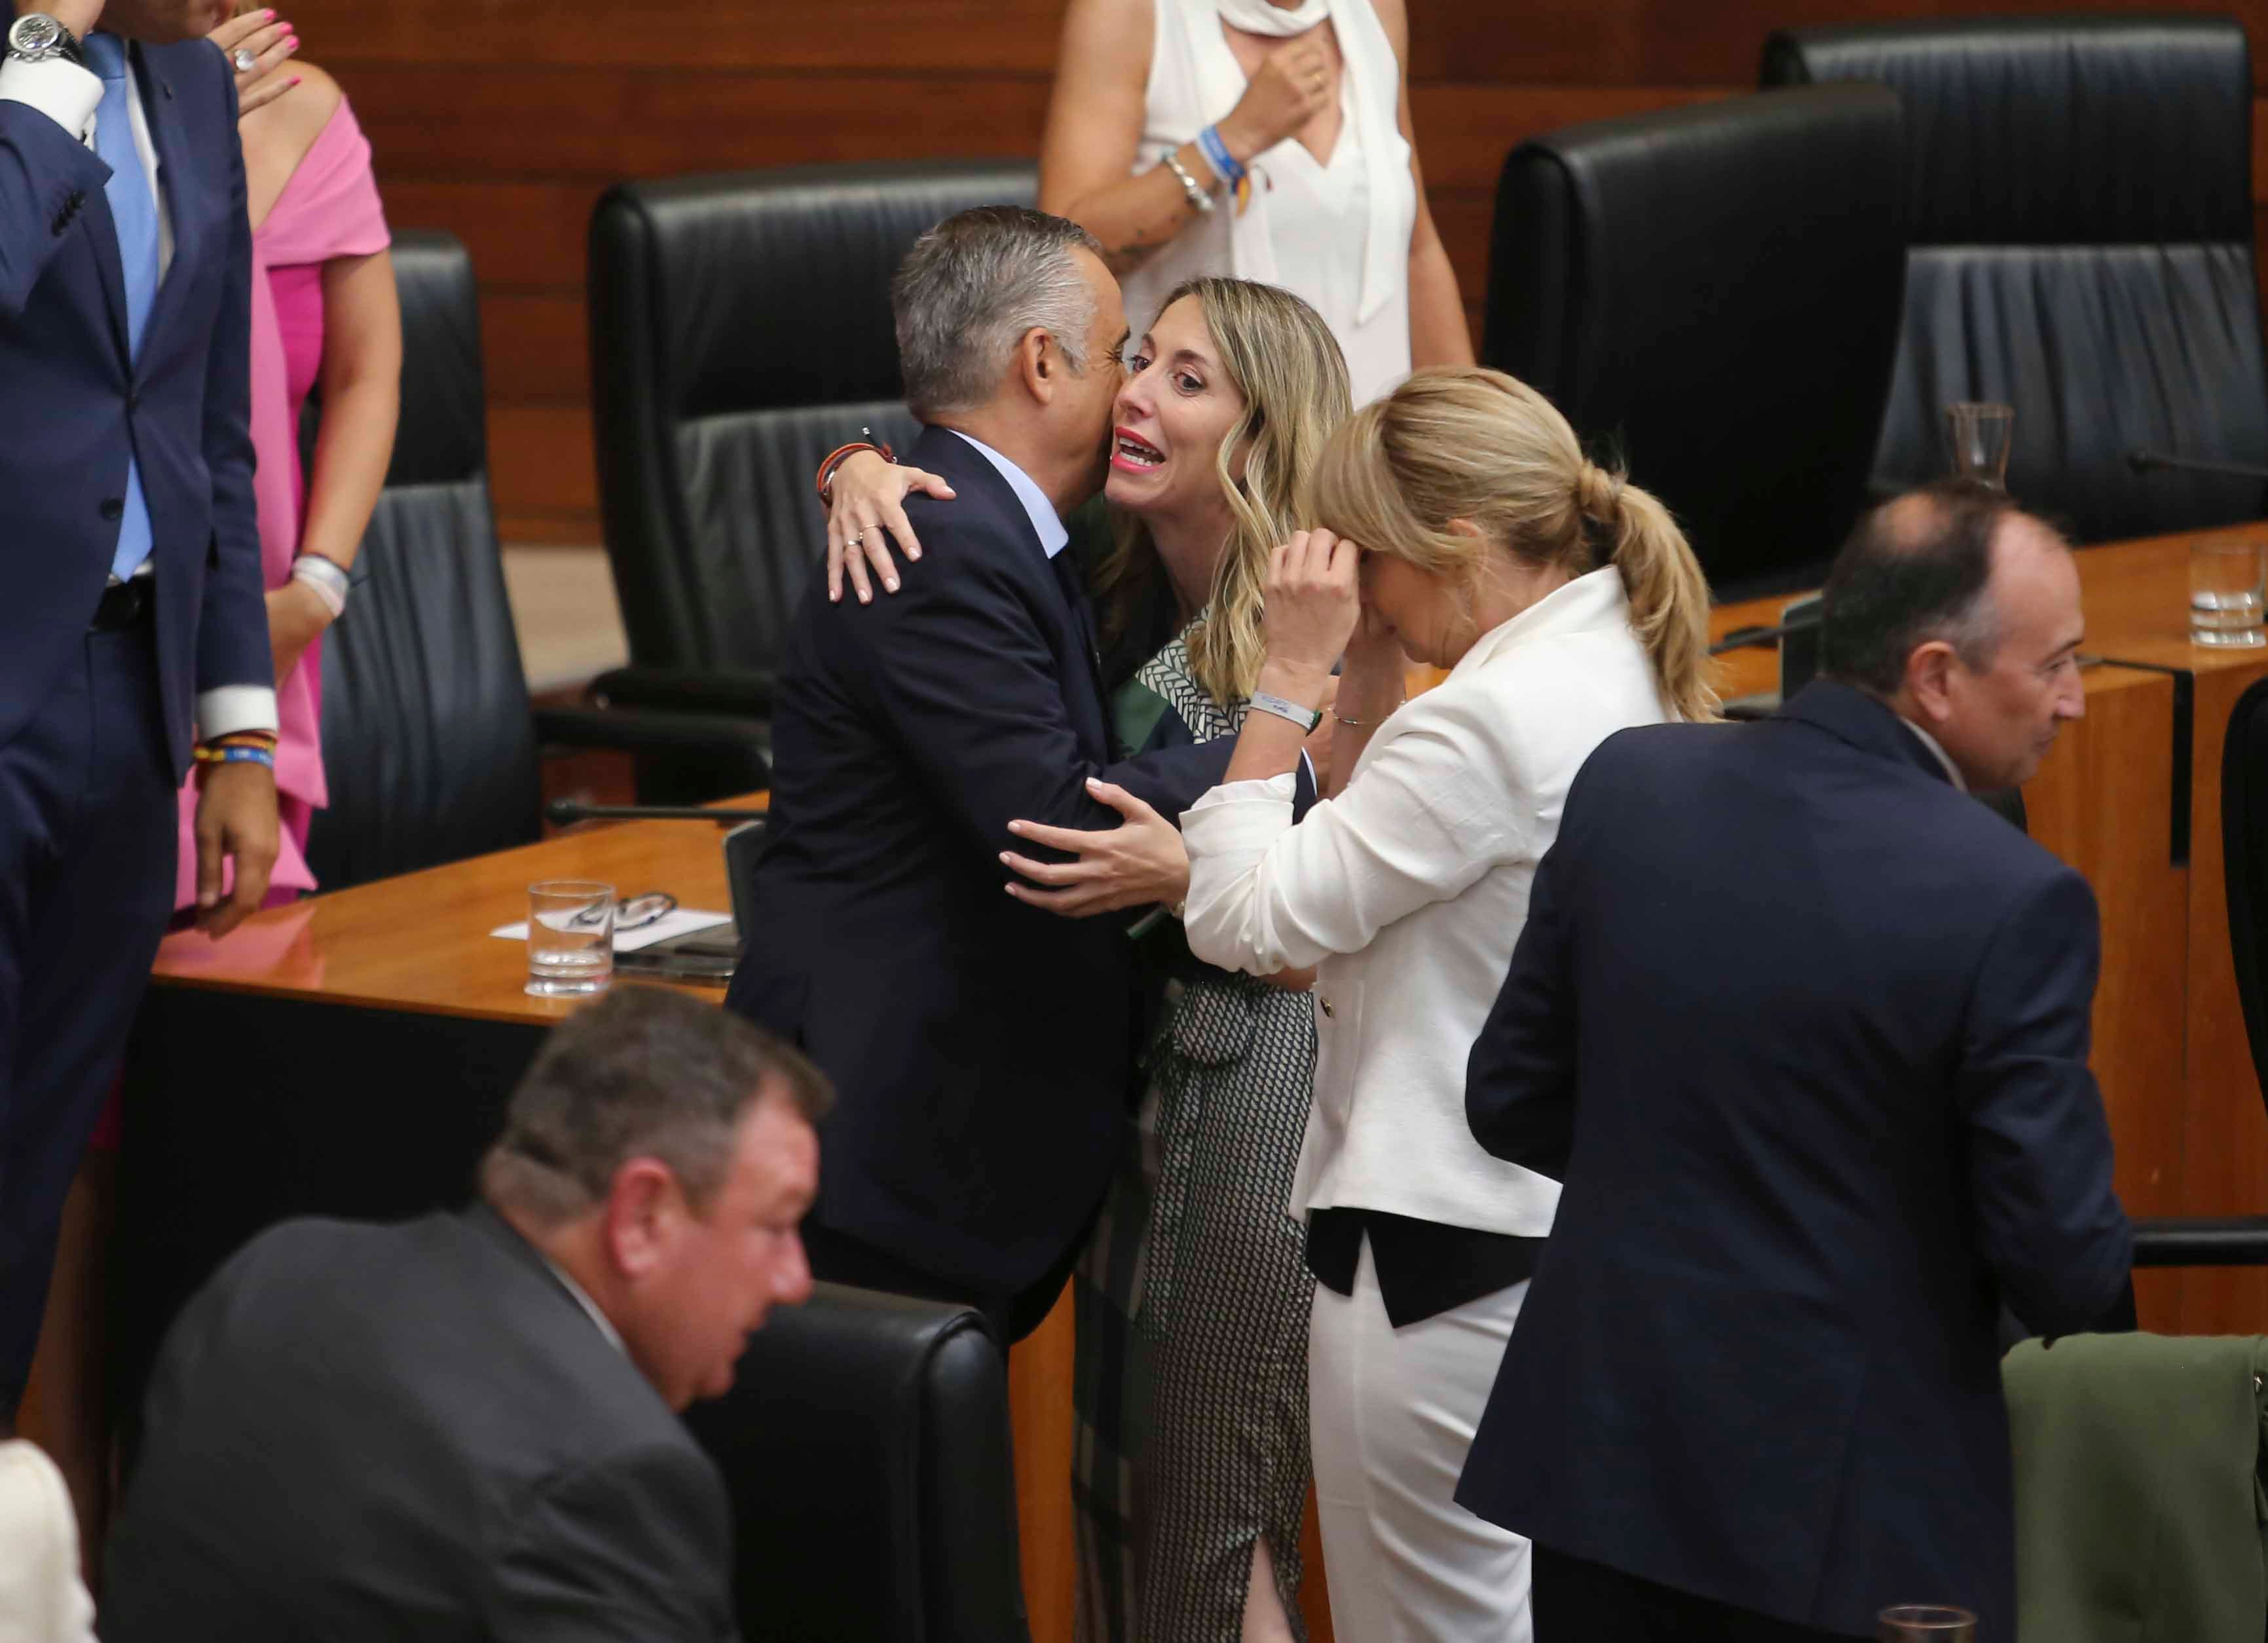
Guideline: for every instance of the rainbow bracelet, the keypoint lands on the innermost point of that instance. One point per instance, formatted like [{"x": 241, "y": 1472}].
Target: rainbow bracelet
[{"x": 236, "y": 753}]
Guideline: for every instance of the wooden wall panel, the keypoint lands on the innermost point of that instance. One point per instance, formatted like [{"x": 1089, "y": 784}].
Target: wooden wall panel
[{"x": 503, "y": 123}]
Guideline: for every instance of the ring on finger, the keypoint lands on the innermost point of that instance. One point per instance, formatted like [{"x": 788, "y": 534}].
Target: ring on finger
[{"x": 245, "y": 59}]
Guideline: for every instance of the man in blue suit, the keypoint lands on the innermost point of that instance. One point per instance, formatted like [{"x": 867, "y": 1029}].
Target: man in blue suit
[
  {"x": 132, "y": 625},
  {"x": 1803, "y": 1030}
]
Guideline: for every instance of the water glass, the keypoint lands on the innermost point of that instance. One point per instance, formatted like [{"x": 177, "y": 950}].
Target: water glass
[
  {"x": 1925, "y": 1622},
  {"x": 1981, "y": 435},
  {"x": 2226, "y": 582},
  {"x": 570, "y": 937}
]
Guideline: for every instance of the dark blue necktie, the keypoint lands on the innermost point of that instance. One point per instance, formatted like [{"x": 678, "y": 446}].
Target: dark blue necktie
[{"x": 136, "y": 213}]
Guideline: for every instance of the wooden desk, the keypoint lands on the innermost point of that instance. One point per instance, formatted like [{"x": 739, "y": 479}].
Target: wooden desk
[{"x": 2170, "y": 1050}]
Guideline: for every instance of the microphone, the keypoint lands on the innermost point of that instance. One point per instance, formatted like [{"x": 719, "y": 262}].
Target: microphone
[
  {"x": 1742, "y": 638},
  {"x": 566, "y": 812},
  {"x": 2143, "y": 460}
]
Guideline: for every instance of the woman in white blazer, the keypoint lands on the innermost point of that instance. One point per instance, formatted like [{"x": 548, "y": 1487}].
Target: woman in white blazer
[{"x": 1566, "y": 605}]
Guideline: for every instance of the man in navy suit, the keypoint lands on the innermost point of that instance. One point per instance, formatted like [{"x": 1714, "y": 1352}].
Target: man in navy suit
[
  {"x": 1804, "y": 1029},
  {"x": 982, "y": 1049},
  {"x": 132, "y": 625}
]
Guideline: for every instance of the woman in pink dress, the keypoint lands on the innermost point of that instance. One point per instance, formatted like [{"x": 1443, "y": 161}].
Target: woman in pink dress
[{"x": 323, "y": 314}]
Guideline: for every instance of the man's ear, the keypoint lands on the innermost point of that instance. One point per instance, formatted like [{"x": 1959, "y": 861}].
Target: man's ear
[
  {"x": 1929, "y": 681},
  {"x": 1039, "y": 367},
  {"x": 645, "y": 1210}
]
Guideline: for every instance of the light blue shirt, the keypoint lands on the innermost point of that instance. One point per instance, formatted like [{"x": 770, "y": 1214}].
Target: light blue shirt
[{"x": 1050, "y": 528}]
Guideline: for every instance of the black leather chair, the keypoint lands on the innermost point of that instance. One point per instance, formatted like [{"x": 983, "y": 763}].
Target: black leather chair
[
  {"x": 2078, "y": 197},
  {"x": 1714, "y": 292},
  {"x": 2240, "y": 1240},
  {"x": 429, "y": 743},
  {"x": 865, "y": 1447},
  {"x": 740, "y": 330}
]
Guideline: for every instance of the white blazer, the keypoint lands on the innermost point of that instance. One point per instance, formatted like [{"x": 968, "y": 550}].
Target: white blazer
[{"x": 1409, "y": 890}]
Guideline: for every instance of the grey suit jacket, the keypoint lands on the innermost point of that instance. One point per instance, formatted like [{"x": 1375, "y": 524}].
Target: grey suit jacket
[{"x": 360, "y": 1432}]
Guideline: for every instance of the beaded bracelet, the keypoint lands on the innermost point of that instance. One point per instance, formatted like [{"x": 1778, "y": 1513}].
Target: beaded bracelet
[{"x": 1198, "y": 199}]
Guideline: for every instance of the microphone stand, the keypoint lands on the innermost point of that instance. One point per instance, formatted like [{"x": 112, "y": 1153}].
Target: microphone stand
[
  {"x": 2146, "y": 461},
  {"x": 566, "y": 812}
]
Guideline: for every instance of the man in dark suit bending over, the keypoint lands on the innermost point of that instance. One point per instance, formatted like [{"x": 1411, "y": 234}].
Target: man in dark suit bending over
[
  {"x": 1804, "y": 1031},
  {"x": 983, "y": 1049},
  {"x": 465, "y": 1426}
]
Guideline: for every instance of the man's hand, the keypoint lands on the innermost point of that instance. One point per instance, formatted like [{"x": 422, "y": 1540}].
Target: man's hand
[{"x": 236, "y": 819}]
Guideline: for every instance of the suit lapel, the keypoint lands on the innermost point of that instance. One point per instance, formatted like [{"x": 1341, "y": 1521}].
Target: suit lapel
[
  {"x": 176, "y": 176},
  {"x": 101, "y": 233}
]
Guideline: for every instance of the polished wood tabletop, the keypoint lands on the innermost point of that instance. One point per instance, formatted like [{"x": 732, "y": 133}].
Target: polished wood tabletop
[{"x": 421, "y": 942}]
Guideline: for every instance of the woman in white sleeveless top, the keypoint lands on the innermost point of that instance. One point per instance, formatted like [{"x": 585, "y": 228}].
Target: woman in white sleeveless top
[{"x": 1307, "y": 98}]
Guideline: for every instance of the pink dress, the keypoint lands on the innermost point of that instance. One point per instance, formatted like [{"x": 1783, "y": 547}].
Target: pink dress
[{"x": 329, "y": 209}]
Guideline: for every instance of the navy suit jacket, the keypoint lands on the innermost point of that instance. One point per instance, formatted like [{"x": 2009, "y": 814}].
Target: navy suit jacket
[
  {"x": 982, "y": 1051},
  {"x": 1814, "y": 1026},
  {"x": 73, "y": 407}
]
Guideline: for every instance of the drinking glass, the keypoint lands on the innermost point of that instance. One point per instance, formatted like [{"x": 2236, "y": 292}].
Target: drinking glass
[
  {"x": 1981, "y": 433},
  {"x": 2226, "y": 582},
  {"x": 1925, "y": 1622},
  {"x": 570, "y": 937}
]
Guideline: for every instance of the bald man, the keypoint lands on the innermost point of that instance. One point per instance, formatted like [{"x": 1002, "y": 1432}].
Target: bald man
[{"x": 1823, "y": 1108}]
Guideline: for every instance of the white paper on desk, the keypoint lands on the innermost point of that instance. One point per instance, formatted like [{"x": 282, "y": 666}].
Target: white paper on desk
[{"x": 684, "y": 921}]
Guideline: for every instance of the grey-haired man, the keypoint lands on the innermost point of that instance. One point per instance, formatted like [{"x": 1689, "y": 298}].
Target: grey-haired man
[{"x": 983, "y": 1048}]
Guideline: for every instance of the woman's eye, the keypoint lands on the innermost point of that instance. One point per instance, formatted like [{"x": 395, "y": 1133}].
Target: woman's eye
[
  {"x": 1188, "y": 384},
  {"x": 1137, "y": 363}
]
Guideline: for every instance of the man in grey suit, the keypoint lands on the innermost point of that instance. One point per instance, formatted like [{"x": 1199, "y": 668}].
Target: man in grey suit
[{"x": 465, "y": 1426}]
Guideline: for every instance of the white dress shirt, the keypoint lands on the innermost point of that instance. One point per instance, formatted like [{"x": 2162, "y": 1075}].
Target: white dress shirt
[
  {"x": 582, "y": 1298},
  {"x": 1408, "y": 892},
  {"x": 1951, "y": 770},
  {"x": 68, "y": 95}
]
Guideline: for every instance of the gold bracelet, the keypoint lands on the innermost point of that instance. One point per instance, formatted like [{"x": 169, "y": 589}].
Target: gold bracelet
[{"x": 1359, "y": 723}]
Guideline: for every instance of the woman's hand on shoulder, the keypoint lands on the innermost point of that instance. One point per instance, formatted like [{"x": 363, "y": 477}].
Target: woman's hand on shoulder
[
  {"x": 1313, "y": 599},
  {"x": 868, "y": 496},
  {"x": 270, "y": 41}
]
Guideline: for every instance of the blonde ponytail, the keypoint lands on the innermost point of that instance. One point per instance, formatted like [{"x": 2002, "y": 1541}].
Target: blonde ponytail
[
  {"x": 1669, "y": 595},
  {"x": 1459, "y": 442}
]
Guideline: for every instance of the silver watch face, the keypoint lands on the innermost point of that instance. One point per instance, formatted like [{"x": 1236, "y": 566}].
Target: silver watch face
[{"x": 35, "y": 34}]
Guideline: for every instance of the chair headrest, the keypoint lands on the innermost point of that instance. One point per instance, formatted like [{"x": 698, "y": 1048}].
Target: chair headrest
[
  {"x": 441, "y": 439},
  {"x": 2073, "y": 130},
  {"x": 760, "y": 288}
]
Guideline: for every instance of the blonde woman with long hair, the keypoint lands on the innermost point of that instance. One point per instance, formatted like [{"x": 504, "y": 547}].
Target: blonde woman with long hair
[
  {"x": 1193, "y": 1298},
  {"x": 1467, "y": 528}
]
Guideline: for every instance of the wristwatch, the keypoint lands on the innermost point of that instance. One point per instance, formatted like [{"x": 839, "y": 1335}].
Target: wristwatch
[{"x": 35, "y": 37}]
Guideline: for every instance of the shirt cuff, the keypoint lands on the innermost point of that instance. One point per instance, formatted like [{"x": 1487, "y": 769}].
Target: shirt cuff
[
  {"x": 232, "y": 708},
  {"x": 1280, "y": 790},
  {"x": 63, "y": 91}
]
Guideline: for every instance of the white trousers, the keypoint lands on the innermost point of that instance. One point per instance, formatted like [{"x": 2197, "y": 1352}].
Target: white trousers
[{"x": 1393, "y": 1412}]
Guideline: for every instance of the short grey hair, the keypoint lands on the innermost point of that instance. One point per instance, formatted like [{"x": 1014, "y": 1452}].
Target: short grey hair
[
  {"x": 642, "y": 1072},
  {"x": 972, "y": 286}
]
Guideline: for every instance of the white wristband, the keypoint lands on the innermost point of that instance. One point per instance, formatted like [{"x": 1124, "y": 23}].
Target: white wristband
[
  {"x": 1306, "y": 717},
  {"x": 325, "y": 579}
]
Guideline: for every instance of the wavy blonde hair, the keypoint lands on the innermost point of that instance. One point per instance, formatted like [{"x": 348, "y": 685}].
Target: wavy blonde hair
[
  {"x": 1282, "y": 358},
  {"x": 1459, "y": 442}
]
